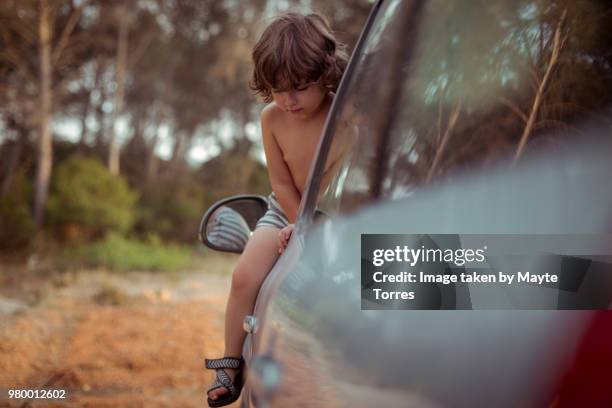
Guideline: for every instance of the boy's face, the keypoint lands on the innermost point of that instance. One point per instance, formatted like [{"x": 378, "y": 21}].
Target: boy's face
[{"x": 301, "y": 101}]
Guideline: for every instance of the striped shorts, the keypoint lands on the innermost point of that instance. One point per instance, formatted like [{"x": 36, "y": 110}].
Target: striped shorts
[{"x": 274, "y": 217}]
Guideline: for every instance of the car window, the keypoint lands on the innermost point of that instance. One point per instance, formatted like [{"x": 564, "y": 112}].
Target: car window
[
  {"x": 488, "y": 81},
  {"x": 350, "y": 164}
]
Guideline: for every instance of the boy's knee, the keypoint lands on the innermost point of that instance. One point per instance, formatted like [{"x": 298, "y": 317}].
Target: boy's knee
[{"x": 241, "y": 279}]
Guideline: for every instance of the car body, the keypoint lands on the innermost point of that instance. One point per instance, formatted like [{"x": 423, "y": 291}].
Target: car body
[{"x": 462, "y": 120}]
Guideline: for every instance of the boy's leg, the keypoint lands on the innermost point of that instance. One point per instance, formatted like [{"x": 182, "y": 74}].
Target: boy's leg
[{"x": 253, "y": 266}]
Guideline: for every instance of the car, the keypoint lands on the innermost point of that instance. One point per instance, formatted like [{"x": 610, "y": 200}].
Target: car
[{"x": 462, "y": 123}]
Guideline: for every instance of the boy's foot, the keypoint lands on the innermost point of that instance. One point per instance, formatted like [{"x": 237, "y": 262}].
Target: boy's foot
[
  {"x": 217, "y": 393},
  {"x": 228, "y": 380}
]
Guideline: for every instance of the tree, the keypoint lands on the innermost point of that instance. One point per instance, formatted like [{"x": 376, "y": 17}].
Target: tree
[
  {"x": 45, "y": 153},
  {"x": 123, "y": 18},
  {"x": 20, "y": 18}
]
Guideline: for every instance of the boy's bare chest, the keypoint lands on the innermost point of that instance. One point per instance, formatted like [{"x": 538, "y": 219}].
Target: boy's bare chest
[{"x": 298, "y": 146}]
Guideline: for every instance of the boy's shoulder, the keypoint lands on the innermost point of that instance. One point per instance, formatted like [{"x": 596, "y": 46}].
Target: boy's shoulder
[{"x": 271, "y": 113}]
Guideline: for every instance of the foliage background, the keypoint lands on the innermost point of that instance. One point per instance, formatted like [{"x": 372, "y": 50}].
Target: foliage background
[{"x": 131, "y": 118}]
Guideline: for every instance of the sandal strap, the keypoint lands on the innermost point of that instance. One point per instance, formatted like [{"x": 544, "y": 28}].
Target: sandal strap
[
  {"x": 224, "y": 362},
  {"x": 214, "y": 386},
  {"x": 225, "y": 379}
]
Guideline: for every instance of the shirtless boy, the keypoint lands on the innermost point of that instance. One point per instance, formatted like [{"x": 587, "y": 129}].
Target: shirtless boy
[{"x": 297, "y": 67}]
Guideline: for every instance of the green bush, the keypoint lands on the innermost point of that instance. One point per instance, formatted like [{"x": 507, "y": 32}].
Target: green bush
[
  {"x": 173, "y": 210},
  {"x": 85, "y": 194},
  {"x": 122, "y": 254},
  {"x": 16, "y": 224}
]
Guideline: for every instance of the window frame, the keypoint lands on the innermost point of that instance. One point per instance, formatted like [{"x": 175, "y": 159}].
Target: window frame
[{"x": 383, "y": 119}]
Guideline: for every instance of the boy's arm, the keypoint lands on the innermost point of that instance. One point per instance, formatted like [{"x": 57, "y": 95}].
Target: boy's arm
[{"x": 282, "y": 183}]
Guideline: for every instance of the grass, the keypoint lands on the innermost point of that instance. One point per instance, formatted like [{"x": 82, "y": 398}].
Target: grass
[
  {"x": 121, "y": 254},
  {"x": 117, "y": 253}
]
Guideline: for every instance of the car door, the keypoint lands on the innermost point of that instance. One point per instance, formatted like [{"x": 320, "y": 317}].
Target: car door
[
  {"x": 454, "y": 134},
  {"x": 260, "y": 344}
]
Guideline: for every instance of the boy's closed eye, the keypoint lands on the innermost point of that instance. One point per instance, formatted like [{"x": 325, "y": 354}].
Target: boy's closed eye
[{"x": 297, "y": 88}]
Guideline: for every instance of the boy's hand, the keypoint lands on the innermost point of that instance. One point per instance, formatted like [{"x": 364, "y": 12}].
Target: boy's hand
[{"x": 283, "y": 237}]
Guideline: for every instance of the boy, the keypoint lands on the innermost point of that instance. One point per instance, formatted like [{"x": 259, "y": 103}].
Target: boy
[{"x": 297, "y": 66}]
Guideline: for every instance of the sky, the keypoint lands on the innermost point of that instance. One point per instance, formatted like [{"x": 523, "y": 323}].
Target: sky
[{"x": 205, "y": 144}]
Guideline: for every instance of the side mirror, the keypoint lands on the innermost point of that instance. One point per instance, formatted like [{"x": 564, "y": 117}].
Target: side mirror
[{"x": 227, "y": 225}]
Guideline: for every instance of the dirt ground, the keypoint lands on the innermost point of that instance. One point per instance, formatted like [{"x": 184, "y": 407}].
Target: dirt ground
[{"x": 113, "y": 340}]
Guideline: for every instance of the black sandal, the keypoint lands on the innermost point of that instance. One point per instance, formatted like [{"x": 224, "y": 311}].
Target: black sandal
[{"x": 224, "y": 380}]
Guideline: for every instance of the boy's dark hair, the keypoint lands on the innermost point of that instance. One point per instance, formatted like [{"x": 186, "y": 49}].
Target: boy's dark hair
[{"x": 295, "y": 48}]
